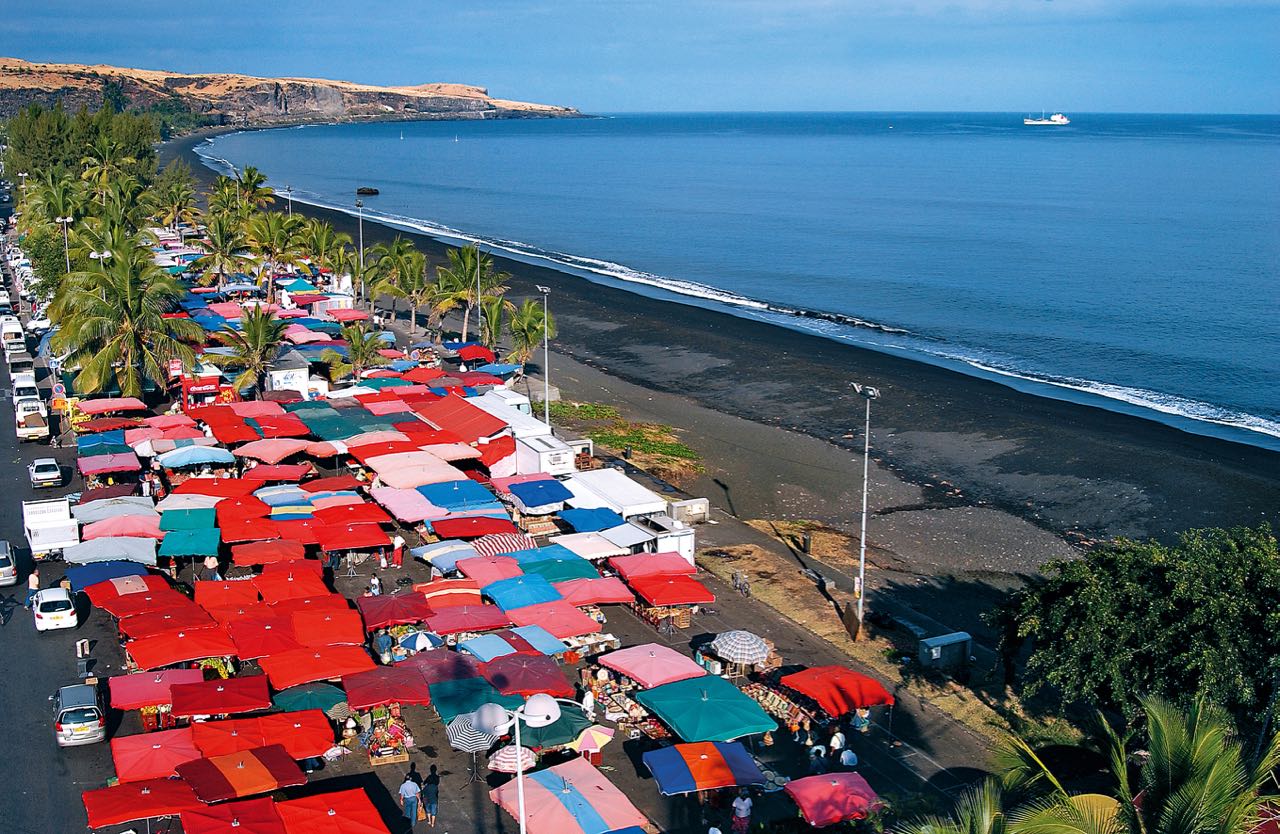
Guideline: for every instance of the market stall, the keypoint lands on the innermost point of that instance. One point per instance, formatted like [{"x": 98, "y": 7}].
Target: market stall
[
  {"x": 702, "y": 766},
  {"x": 832, "y": 798},
  {"x": 706, "y": 709}
]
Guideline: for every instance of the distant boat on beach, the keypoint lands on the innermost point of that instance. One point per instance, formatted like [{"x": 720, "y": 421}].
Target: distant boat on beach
[
  {"x": 1055, "y": 119},
  {"x": 367, "y": 191}
]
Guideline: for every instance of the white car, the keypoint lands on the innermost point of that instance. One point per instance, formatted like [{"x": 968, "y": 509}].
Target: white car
[
  {"x": 54, "y": 608},
  {"x": 40, "y": 326},
  {"x": 8, "y": 568},
  {"x": 45, "y": 472}
]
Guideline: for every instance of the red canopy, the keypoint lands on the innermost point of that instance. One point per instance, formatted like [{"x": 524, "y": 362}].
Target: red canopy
[
  {"x": 100, "y": 424},
  {"x": 307, "y": 665},
  {"x": 471, "y": 528},
  {"x": 211, "y": 595},
  {"x": 343, "y": 514},
  {"x": 603, "y": 591},
  {"x": 347, "y": 314},
  {"x": 485, "y": 570},
  {"x": 399, "y": 684},
  {"x": 559, "y": 617},
  {"x": 268, "y": 552},
  {"x": 443, "y": 665},
  {"x": 148, "y": 689},
  {"x": 454, "y": 414},
  {"x": 652, "y": 564},
  {"x": 328, "y": 627},
  {"x": 282, "y": 425},
  {"x": 244, "y": 773},
  {"x": 836, "y": 689},
  {"x": 333, "y": 483},
  {"x": 351, "y": 537},
  {"x": 393, "y": 609},
  {"x": 182, "y": 616},
  {"x": 832, "y": 798},
  {"x": 180, "y": 647},
  {"x": 257, "y": 637},
  {"x": 152, "y": 755},
  {"x": 107, "y": 405},
  {"x": 304, "y": 734},
  {"x": 474, "y": 352},
  {"x": 279, "y": 472},
  {"x": 131, "y": 605},
  {"x": 282, "y": 585},
  {"x": 449, "y": 593},
  {"x": 422, "y": 374},
  {"x": 672, "y": 590},
  {"x": 217, "y": 487},
  {"x": 497, "y": 449},
  {"x": 221, "y": 697},
  {"x": 138, "y": 801},
  {"x": 101, "y": 592},
  {"x": 241, "y": 508},
  {"x": 365, "y": 451},
  {"x": 248, "y": 816},
  {"x": 248, "y": 530},
  {"x": 321, "y": 602},
  {"x": 525, "y": 674},
  {"x": 301, "y": 530},
  {"x": 341, "y": 812},
  {"x": 468, "y": 618}
]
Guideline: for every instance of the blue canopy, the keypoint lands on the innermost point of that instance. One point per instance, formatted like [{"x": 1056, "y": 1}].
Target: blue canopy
[
  {"x": 105, "y": 438},
  {"x": 591, "y": 521},
  {"x": 720, "y": 764},
  {"x": 457, "y": 345},
  {"x": 487, "y": 647},
  {"x": 85, "y": 575},
  {"x": 456, "y": 495},
  {"x": 498, "y": 369},
  {"x": 402, "y": 365},
  {"x": 519, "y": 591},
  {"x": 240, "y": 288},
  {"x": 444, "y": 555},
  {"x": 542, "y": 554},
  {"x": 283, "y": 495},
  {"x": 195, "y": 456},
  {"x": 541, "y": 493}
]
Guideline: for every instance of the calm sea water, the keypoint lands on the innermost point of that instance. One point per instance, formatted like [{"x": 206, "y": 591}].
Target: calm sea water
[{"x": 1127, "y": 261}]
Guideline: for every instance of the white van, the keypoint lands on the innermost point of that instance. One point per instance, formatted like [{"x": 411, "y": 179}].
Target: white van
[{"x": 13, "y": 337}]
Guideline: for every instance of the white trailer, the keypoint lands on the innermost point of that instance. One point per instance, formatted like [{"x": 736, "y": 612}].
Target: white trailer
[
  {"x": 49, "y": 527},
  {"x": 543, "y": 454}
]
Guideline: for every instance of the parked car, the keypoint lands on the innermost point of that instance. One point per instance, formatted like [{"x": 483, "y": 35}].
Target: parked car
[
  {"x": 45, "y": 472},
  {"x": 78, "y": 716},
  {"x": 8, "y": 567},
  {"x": 40, "y": 326},
  {"x": 54, "y": 609}
]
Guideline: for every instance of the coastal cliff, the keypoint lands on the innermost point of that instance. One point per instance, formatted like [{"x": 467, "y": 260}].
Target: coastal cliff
[{"x": 242, "y": 99}]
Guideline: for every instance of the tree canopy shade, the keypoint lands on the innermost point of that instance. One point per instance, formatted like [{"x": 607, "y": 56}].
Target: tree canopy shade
[{"x": 1134, "y": 619}]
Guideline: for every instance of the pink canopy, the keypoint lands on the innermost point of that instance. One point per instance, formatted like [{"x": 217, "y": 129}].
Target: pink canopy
[
  {"x": 132, "y": 437},
  {"x": 272, "y": 450},
  {"x": 558, "y": 617},
  {"x": 384, "y": 407},
  {"x": 104, "y": 464},
  {"x": 407, "y": 505},
  {"x": 652, "y": 564},
  {"x": 453, "y": 451},
  {"x": 651, "y": 664},
  {"x": 408, "y": 477},
  {"x": 227, "y": 309},
  {"x": 486, "y": 570},
  {"x": 557, "y": 799},
  {"x": 832, "y": 798},
  {"x": 148, "y": 689},
  {"x": 376, "y": 436},
  {"x": 347, "y": 315},
  {"x": 169, "y": 421},
  {"x": 124, "y": 525},
  {"x": 110, "y": 405},
  {"x": 603, "y": 591},
  {"x": 257, "y": 408}
]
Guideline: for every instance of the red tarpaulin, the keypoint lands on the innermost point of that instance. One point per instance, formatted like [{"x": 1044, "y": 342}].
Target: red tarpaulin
[
  {"x": 559, "y": 617},
  {"x": 101, "y": 493},
  {"x": 496, "y": 450},
  {"x": 606, "y": 590},
  {"x": 279, "y": 472},
  {"x": 471, "y": 528},
  {"x": 524, "y": 674},
  {"x": 351, "y": 537},
  {"x": 836, "y": 689},
  {"x": 244, "y": 773},
  {"x": 282, "y": 425},
  {"x": 100, "y": 593},
  {"x": 188, "y": 615},
  {"x": 180, "y": 647},
  {"x": 344, "y": 514},
  {"x": 217, "y": 487},
  {"x": 304, "y": 734},
  {"x": 399, "y": 684},
  {"x": 443, "y": 665},
  {"x": 468, "y": 618},
  {"x": 108, "y": 405},
  {"x": 832, "y": 798},
  {"x": 472, "y": 353},
  {"x": 278, "y": 586},
  {"x": 307, "y": 665},
  {"x": 393, "y": 609},
  {"x": 389, "y": 447},
  {"x": 340, "y": 812},
  {"x": 652, "y": 564},
  {"x": 131, "y": 605},
  {"x": 268, "y": 552},
  {"x": 152, "y": 755},
  {"x": 138, "y": 801},
  {"x": 334, "y": 483},
  {"x": 221, "y": 697},
  {"x": 101, "y": 424},
  {"x": 210, "y": 595},
  {"x": 485, "y": 570},
  {"x": 328, "y": 627},
  {"x": 454, "y": 414},
  {"x": 347, "y": 314},
  {"x": 148, "y": 689},
  {"x": 322, "y": 602},
  {"x": 312, "y": 565},
  {"x": 232, "y": 431},
  {"x": 449, "y": 593},
  {"x": 248, "y": 816},
  {"x": 301, "y": 530},
  {"x": 672, "y": 590},
  {"x": 257, "y": 637},
  {"x": 422, "y": 375},
  {"x": 239, "y": 530},
  {"x": 272, "y": 450},
  {"x": 241, "y": 508}
]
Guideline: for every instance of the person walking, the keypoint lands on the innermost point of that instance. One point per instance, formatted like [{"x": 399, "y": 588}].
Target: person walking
[
  {"x": 742, "y": 813},
  {"x": 397, "y": 551},
  {"x": 409, "y": 792},
  {"x": 375, "y": 586},
  {"x": 837, "y": 743},
  {"x": 431, "y": 796},
  {"x": 33, "y": 586}
]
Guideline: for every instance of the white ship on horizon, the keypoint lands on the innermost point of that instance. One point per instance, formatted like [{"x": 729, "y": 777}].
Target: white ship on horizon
[{"x": 1055, "y": 119}]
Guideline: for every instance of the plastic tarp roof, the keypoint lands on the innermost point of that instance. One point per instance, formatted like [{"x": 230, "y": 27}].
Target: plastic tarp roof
[
  {"x": 489, "y": 569},
  {"x": 837, "y": 690},
  {"x": 128, "y": 605},
  {"x": 124, "y": 525},
  {"x": 454, "y": 414},
  {"x": 272, "y": 450},
  {"x": 532, "y": 639},
  {"x": 268, "y": 552},
  {"x": 702, "y": 766},
  {"x": 195, "y": 456},
  {"x": 226, "y": 594},
  {"x": 613, "y": 490},
  {"x": 276, "y": 587},
  {"x": 570, "y": 798},
  {"x": 448, "y": 593},
  {"x": 303, "y": 733},
  {"x": 132, "y": 801},
  {"x": 652, "y": 664},
  {"x": 244, "y": 773},
  {"x": 591, "y": 520},
  {"x": 351, "y": 537},
  {"x": 559, "y": 617},
  {"x": 540, "y": 494},
  {"x": 672, "y": 590},
  {"x": 628, "y": 535},
  {"x": 248, "y": 816},
  {"x": 220, "y": 487},
  {"x": 187, "y": 615},
  {"x": 126, "y": 548},
  {"x": 384, "y": 685},
  {"x": 260, "y": 636},
  {"x": 407, "y": 505},
  {"x": 589, "y": 545},
  {"x": 605, "y": 590},
  {"x": 652, "y": 564},
  {"x": 393, "y": 609},
  {"x": 85, "y": 576},
  {"x": 832, "y": 797},
  {"x": 444, "y": 555},
  {"x": 456, "y": 495},
  {"x": 108, "y": 405},
  {"x": 152, "y": 755},
  {"x": 452, "y": 698},
  {"x": 172, "y": 647},
  {"x": 527, "y": 674},
  {"x": 358, "y": 513},
  {"x": 562, "y": 570},
  {"x": 706, "y": 708},
  {"x": 471, "y": 528},
  {"x": 148, "y": 689},
  {"x": 221, "y": 697},
  {"x": 315, "y": 664},
  {"x": 519, "y": 591},
  {"x": 191, "y": 543},
  {"x": 443, "y": 665},
  {"x": 114, "y": 583},
  {"x": 331, "y": 626},
  {"x": 104, "y": 508},
  {"x": 189, "y": 519},
  {"x": 104, "y": 464},
  {"x": 338, "y": 812},
  {"x": 468, "y": 618}
]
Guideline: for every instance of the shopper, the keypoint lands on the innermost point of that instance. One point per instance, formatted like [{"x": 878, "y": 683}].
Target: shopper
[
  {"x": 742, "y": 812},
  {"x": 409, "y": 792}
]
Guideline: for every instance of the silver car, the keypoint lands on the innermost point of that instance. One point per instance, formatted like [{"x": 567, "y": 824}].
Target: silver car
[
  {"x": 78, "y": 717},
  {"x": 8, "y": 568}
]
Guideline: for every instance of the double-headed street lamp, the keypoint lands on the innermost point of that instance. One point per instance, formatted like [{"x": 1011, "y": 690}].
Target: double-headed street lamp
[
  {"x": 100, "y": 256},
  {"x": 868, "y": 393},
  {"x": 66, "y": 246},
  {"x": 546, "y": 354},
  {"x": 541, "y": 710},
  {"x": 288, "y": 194}
]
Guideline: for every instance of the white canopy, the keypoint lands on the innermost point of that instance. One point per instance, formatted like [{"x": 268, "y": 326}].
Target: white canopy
[
  {"x": 129, "y": 548},
  {"x": 113, "y": 507}
]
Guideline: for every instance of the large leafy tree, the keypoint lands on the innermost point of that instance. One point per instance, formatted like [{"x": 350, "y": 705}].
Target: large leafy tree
[
  {"x": 472, "y": 272},
  {"x": 392, "y": 264},
  {"x": 322, "y": 244},
  {"x": 254, "y": 347},
  {"x": 111, "y": 322},
  {"x": 172, "y": 199},
  {"x": 225, "y": 249},
  {"x": 363, "y": 345},
  {"x": 526, "y": 327},
  {"x": 275, "y": 238},
  {"x": 1144, "y": 618}
]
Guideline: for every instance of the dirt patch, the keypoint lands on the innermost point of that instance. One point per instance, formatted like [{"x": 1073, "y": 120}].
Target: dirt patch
[{"x": 826, "y": 543}]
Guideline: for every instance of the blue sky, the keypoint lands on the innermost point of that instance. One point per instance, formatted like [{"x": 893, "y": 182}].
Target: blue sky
[{"x": 629, "y": 55}]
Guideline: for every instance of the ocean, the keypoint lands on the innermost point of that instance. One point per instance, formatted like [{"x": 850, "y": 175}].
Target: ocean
[{"x": 1126, "y": 261}]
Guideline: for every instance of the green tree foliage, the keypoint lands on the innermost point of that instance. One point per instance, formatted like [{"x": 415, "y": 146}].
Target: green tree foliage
[
  {"x": 1133, "y": 619},
  {"x": 255, "y": 345},
  {"x": 44, "y": 246},
  {"x": 49, "y": 142},
  {"x": 468, "y": 267},
  {"x": 526, "y": 328},
  {"x": 363, "y": 345}
]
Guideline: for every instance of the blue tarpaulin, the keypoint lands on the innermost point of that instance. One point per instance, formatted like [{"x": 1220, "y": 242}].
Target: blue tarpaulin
[
  {"x": 456, "y": 495},
  {"x": 591, "y": 521},
  {"x": 115, "y": 437},
  {"x": 498, "y": 369},
  {"x": 541, "y": 493},
  {"x": 84, "y": 576},
  {"x": 705, "y": 766},
  {"x": 519, "y": 591},
  {"x": 486, "y": 647},
  {"x": 542, "y": 554}
]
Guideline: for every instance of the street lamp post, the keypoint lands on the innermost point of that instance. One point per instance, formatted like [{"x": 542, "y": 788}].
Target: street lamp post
[
  {"x": 868, "y": 393},
  {"x": 100, "y": 256},
  {"x": 360, "y": 226},
  {"x": 288, "y": 195},
  {"x": 66, "y": 246},
  {"x": 540, "y": 710},
  {"x": 546, "y": 354}
]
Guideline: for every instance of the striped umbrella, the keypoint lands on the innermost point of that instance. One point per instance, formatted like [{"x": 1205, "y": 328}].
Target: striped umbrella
[
  {"x": 506, "y": 759},
  {"x": 464, "y": 737},
  {"x": 740, "y": 647}
]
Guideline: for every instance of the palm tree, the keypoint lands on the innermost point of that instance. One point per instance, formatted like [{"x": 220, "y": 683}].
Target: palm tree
[
  {"x": 361, "y": 278},
  {"x": 392, "y": 263},
  {"x": 111, "y": 322},
  {"x": 978, "y": 810},
  {"x": 252, "y": 185},
  {"x": 224, "y": 199},
  {"x": 102, "y": 163},
  {"x": 224, "y": 245},
  {"x": 173, "y": 200},
  {"x": 492, "y": 309},
  {"x": 322, "y": 244},
  {"x": 255, "y": 346},
  {"x": 447, "y": 293},
  {"x": 55, "y": 197},
  {"x": 468, "y": 267},
  {"x": 526, "y": 327},
  {"x": 363, "y": 345},
  {"x": 416, "y": 288},
  {"x": 274, "y": 237}
]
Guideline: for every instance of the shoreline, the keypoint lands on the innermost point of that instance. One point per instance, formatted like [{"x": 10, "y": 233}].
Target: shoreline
[{"x": 1079, "y": 471}]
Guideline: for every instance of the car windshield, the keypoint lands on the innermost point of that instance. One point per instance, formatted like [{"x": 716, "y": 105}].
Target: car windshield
[
  {"x": 53, "y": 605},
  {"x": 47, "y": 468},
  {"x": 26, "y": 391},
  {"x": 5, "y": 561},
  {"x": 80, "y": 715}
]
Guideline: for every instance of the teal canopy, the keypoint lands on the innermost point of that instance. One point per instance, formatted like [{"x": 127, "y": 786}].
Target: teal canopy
[
  {"x": 453, "y": 698},
  {"x": 378, "y": 383},
  {"x": 562, "y": 570},
  {"x": 321, "y": 696},
  {"x": 202, "y": 542},
  {"x": 198, "y": 519},
  {"x": 706, "y": 709},
  {"x": 563, "y": 730}
]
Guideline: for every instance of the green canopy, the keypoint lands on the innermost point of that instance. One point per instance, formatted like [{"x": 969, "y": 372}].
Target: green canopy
[
  {"x": 103, "y": 449},
  {"x": 562, "y": 570},
  {"x": 202, "y": 542},
  {"x": 308, "y": 405},
  {"x": 300, "y": 286},
  {"x": 565, "y": 729},
  {"x": 331, "y": 425},
  {"x": 706, "y": 709},
  {"x": 176, "y": 269},
  {"x": 453, "y": 698},
  {"x": 198, "y": 519},
  {"x": 378, "y": 383},
  {"x": 321, "y": 696}
]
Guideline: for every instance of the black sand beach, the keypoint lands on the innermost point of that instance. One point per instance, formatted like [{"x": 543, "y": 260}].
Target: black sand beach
[{"x": 968, "y": 465}]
